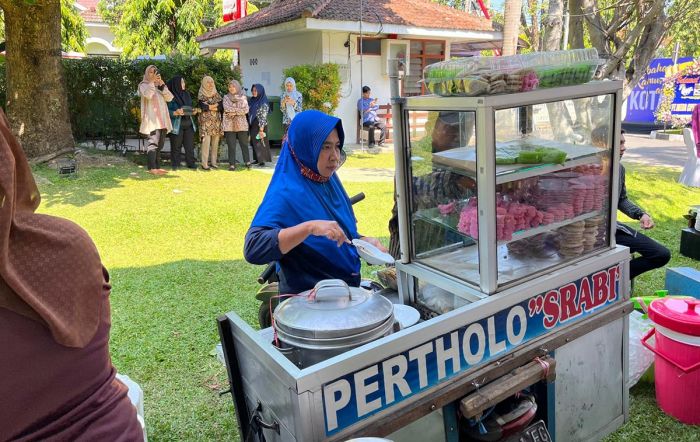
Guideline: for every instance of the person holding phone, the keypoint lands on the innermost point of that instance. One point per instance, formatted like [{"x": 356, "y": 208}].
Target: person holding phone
[
  {"x": 259, "y": 108},
  {"x": 210, "y": 127},
  {"x": 368, "y": 108},
  {"x": 155, "y": 118}
]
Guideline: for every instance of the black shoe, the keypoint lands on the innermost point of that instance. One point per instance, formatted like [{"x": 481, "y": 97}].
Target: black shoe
[
  {"x": 205, "y": 168},
  {"x": 370, "y": 145}
]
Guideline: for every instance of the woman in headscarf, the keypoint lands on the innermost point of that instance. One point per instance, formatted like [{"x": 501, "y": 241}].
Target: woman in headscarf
[
  {"x": 236, "y": 124},
  {"x": 181, "y": 112},
  {"x": 305, "y": 221},
  {"x": 155, "y": 119},
  {"x": 210, "y": 130},
  {"x": 259, "y": 108},
  {"x": 290, "y": 102},
  {"x": 58, "y": 382}
]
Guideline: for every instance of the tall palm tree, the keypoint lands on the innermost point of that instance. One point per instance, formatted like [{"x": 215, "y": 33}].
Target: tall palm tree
[{"x": 511, "y": 26}]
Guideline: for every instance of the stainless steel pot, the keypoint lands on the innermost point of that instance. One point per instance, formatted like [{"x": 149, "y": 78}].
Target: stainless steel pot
[{"x": 329, "y": 320}]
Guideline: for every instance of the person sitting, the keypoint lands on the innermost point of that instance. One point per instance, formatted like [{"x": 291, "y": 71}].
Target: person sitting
[
  {"x": 368, "y": 108},
  {"x": 652, "y": 255},
  {"x": 305, "y": 221},
  {"x": 57, "y": 381}
]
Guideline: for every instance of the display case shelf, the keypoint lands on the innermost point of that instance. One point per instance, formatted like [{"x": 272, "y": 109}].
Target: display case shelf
[
  {"x": 464, "y": 160},
  {"x": 433, "y": 216}
]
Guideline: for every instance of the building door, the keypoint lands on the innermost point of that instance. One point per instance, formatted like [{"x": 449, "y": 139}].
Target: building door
[{"x": 423, "y": 53}]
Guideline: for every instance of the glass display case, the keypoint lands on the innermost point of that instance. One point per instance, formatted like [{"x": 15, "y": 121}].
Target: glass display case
[{"x": 496, "y": 190}]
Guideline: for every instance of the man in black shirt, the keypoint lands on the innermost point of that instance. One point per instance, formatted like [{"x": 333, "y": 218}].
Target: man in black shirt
[{"x": 652, "y": 254}]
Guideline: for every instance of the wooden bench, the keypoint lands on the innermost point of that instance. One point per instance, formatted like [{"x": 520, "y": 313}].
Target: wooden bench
[{"x": 384, "y": 113}]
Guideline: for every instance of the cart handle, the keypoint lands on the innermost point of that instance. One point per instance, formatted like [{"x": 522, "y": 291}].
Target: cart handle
[{"x": 654, "y": 350}]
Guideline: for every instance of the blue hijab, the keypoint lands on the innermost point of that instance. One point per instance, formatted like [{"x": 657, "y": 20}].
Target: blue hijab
[
  {"x": 292, "y": 199},
  {"x": 255, "y": 103}
]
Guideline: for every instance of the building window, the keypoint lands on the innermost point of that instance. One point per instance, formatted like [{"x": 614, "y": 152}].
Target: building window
[
  {"x": 423, "y": 53},
  {"x": 369, "y": 46}
]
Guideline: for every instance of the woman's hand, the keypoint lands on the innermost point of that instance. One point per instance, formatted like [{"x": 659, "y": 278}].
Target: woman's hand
[
  {"x": 375, "y": 242},
  {"x": 329, "y": 229},
  {"x": 179, "y": 112},
  {"x": 213, "y": 107}
]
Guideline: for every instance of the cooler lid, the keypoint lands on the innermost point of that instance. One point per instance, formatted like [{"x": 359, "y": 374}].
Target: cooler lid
[{"x": 679, "y": 315}]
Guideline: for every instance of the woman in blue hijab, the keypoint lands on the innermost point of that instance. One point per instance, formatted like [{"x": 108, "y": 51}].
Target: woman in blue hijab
[{"x": 305, "y": 221}]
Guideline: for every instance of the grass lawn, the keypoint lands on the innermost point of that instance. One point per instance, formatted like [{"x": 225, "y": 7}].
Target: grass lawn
[{"x": 173, "y": 246}]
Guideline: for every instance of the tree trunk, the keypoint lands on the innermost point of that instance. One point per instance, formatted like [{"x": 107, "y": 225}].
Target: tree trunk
[
  {"x": 558, "y": 114},
  {"x": 36, "y": 92},
  {"x": 553, "y": 25},
  {"x": 651, "y": 37},
  {"x": 575, "y": 24},
  {"x": 511, "y": 26}
]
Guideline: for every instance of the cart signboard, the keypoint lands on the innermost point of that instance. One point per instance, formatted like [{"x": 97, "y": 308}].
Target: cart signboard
[{"x": 360, "y": 394}]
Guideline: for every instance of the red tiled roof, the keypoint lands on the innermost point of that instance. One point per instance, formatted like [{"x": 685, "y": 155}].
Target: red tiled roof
[
  {"x": 419, "y": 13},
  {"x": 90, "y": 14}
]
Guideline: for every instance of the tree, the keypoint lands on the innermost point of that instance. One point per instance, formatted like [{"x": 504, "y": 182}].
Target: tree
[
  {"x": 73, "y": 30},
  {"x": 152, "y": 27},
  {"x": 628, "y": 33},
  {"x": 511, "y": 26},
  {"x": 36, "y": 107}
]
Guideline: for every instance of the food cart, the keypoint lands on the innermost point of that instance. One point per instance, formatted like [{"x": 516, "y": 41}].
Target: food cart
[{"x": 536, "y": 298}]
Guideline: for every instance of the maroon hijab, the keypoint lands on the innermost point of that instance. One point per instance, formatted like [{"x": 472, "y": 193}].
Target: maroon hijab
[{"x": 50, "y": 270}]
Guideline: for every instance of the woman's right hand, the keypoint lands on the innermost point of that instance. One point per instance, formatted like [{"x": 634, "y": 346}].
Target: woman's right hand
[
  {"x": 213, "y": 107},
  {"x": 329, "y": 229}
]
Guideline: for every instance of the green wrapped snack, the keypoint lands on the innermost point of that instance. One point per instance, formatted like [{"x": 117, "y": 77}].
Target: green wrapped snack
[
  {"x": 551, "y": 155},
  {"x": 529, "y": 157},
  {"x": 506, "y": 155}
]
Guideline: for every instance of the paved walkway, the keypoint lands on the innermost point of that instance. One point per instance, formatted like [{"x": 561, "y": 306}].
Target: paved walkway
[{"x": 644, "y": 150}]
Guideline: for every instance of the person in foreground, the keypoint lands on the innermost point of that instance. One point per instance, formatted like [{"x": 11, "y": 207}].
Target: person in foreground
[
  {"x": 57, "y": 381},
  {"x": 652, "y": 254},
  {"x": 305, "y": 221}
]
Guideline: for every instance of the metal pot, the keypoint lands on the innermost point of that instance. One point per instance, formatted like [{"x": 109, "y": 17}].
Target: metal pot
[{"x": 329, "y": 320}]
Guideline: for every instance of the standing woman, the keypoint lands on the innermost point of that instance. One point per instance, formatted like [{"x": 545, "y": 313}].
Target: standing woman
[
  {"x": 183, "y": 124},
  {"x": 235, "y": 123},
  {"x": 210, "y": 105},
  {"x": 155, "y": 119},
  {"x": 290, "y": 102},
  {"x": 257, "y": 116}
]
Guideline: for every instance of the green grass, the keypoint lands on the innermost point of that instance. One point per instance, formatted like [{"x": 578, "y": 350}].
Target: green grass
[{"x": 173, "y": 246}]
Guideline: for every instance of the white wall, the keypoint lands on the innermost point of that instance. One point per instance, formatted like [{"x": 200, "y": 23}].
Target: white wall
[
  {"x": 263, "y": 62},
  {"x": 351, "y": 89},
  {"x": 100, "y": 40}
]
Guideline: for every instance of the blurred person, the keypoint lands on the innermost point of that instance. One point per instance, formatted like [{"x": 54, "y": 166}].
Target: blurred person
[{"x": 57, "y": 381}]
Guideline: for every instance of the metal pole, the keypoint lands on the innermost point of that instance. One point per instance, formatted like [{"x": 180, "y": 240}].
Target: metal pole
[
  {"x": 401, "y": 190},
  {"x": 675, "y": 53}
]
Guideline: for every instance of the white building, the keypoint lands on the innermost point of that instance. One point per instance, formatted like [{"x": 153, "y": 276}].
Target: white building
[
  {"x": 293, "y": 32},
  {"x": 100, "y": 39}
]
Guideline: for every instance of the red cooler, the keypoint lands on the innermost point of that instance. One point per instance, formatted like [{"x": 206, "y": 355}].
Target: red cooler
[{"x": 677, "y": 349}]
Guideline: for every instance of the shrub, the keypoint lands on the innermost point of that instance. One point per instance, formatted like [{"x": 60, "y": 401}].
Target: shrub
[
  {"x": 102, "y": 92},
  {"x": 318, "y": 83}
]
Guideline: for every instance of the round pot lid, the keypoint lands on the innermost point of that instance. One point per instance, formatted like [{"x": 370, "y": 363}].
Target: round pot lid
[
  {"x": 679, "y": 315},
  {"x": 332, "y": 309}
]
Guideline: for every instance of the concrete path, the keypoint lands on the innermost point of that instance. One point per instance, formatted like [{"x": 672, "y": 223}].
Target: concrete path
[{"x": 644, "y": 150}]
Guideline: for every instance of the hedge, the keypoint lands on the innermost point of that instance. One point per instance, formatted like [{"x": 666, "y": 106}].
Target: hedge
[
  {"x": 102, "y": 92},
  {"x": 319, "y": 84}
]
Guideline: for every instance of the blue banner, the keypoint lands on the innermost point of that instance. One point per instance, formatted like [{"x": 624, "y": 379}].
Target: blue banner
[
  {"x": 645, "y": 97},
  {"x": 358, "y": 395}
]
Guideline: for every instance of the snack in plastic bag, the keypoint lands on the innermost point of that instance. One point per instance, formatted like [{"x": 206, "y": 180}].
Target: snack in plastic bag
[{"x": 640, "y": 358}]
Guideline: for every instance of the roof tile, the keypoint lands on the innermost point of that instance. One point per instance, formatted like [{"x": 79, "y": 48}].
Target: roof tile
[{"x": 419, "y": 13}]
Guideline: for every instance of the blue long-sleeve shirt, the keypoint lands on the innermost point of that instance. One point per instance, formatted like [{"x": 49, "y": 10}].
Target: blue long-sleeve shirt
[
  {"x": 369, "y": 113},
  {"x": 299, "y": 269}
]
